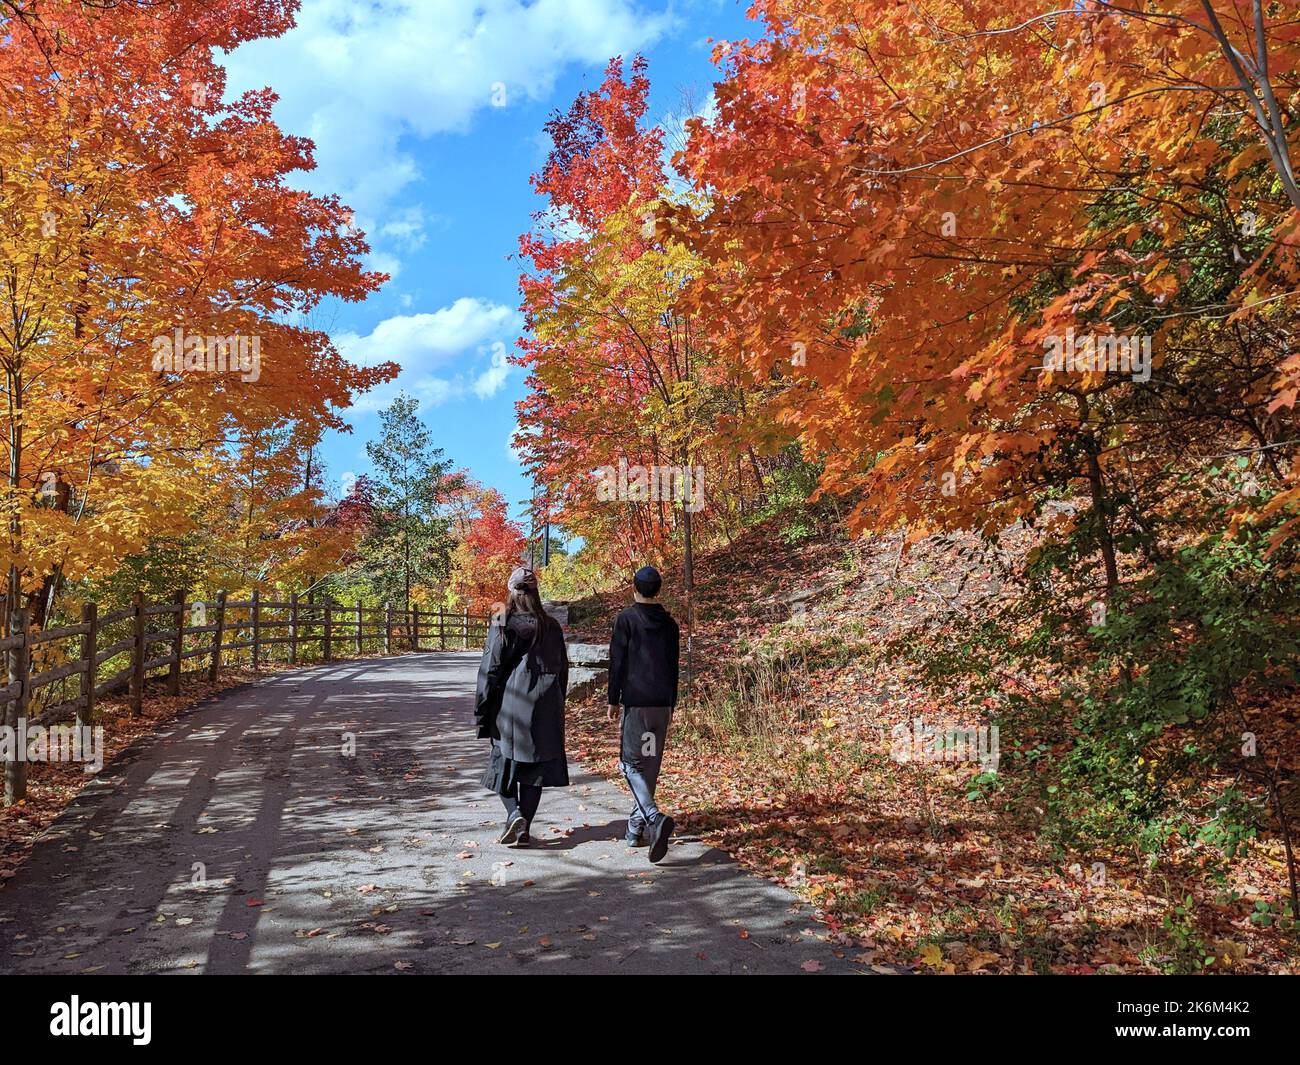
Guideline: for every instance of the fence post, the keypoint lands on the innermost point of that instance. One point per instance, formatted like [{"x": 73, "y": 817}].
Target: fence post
[
  {"x": 255, "y": 617},
  {"x": 178, "y": 645},
  {"x": 388, "y": 627},
  {"x": 360, "y": 652},
  {"x": 293, "y": 629},
  {"x": 442, "y": 628},
  {"x": 464, "y": 629},
  {"x": 329, "y": 655},
  {"x": 16, "y": 708},
  {"x": 216, "y": 636},
  {"x": 415, "y": 628},
  {"x": 89, "y": 650},
  {"x": 137, "y": 654}
]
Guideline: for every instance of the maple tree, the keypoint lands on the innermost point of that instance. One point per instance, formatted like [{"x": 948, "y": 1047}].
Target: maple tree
[
  {"x": 286, "y": 531},
  {"x": 159, "y": 275},
  {"x": 491, "y": 546},
  {"x": 618, "y": 375},
  {"x": 906, "y": 209}
]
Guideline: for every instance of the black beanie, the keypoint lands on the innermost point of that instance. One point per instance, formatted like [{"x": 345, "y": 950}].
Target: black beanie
[{"x": 647, "y": 581}]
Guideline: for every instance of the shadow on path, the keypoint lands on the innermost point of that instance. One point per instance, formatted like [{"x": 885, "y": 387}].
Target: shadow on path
[{"x": 247, "y": 837}]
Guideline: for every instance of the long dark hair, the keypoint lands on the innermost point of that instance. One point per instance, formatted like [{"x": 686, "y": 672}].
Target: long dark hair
[{"x": 528, "y": 600}]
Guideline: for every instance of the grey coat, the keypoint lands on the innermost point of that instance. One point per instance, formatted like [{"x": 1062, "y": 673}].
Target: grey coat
[{"x": 520, "y": 697}]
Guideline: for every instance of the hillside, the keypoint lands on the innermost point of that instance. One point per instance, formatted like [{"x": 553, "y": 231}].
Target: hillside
[{"x": 808, "y": 658}]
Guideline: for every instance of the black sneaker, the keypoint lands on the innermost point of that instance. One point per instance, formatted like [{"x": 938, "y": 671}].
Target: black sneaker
[
  {"x": 524, "y": 838},
  {"x": 637, "y": 841},
  {"x": 516, "y": 826},
  {"x": 663, "y": 828}
]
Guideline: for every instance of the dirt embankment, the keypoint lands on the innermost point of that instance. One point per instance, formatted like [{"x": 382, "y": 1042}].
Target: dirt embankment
[{"x": 806, "y": 662}]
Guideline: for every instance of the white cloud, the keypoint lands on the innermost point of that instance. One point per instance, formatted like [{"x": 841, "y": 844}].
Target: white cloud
[
  {"x": 434, "y": 391},
  {"x": 427, "y": 345},
  {"x": 406, "y": 228},
  {"x": 430, "y": 389},
  {"x": 358, "y": 78},
  {"x": 422, "y": 341},
  {"x": 385, "y": 263},
  {"x": 489, "y": 382}
]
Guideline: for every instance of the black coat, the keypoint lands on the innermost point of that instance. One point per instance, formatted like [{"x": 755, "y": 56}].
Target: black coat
[
  {"x": 643, "y": 657},
  {"x": 520, "y": 699}
]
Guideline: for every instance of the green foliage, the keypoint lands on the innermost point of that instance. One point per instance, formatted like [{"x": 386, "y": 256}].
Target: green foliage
[
  {"x": 1186, "y": 952},
  {"x": 1155, "y": 710},
  {"x": 1145, "y": 707},
  {"x": 165, "y": 567},
  {"x": 791, "y": 485},
  {"x": 574, "y": 576},
  {"x": 411, "y": 537}
]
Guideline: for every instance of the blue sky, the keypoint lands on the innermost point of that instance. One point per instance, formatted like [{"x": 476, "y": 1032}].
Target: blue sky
[{"x": 427, "y": 118}]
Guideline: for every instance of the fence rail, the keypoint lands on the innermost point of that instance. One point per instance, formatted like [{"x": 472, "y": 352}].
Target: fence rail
[{"x": 60, "y": 673}]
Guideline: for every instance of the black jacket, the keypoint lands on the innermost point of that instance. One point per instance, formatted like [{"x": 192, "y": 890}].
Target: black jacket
[
  {"x": 643, "y": 657},
  {"x": 520, "y": 698}
]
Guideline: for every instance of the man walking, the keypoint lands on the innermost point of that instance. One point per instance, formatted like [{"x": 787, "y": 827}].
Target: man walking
[{"x": 643, "y": 680}]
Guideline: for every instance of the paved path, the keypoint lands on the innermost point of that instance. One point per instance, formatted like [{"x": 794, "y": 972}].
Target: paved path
[{"x": 242, "y": 839}]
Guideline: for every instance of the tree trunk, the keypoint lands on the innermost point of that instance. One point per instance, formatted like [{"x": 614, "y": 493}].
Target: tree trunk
[
  {"x": 16, "y": 707},
  {"x": 1101, "y": 514},
  {"x": 688, "y": 584}
]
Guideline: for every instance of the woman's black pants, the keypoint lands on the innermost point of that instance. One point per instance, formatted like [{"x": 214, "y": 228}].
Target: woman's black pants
[{"x": 526, "y": 802}]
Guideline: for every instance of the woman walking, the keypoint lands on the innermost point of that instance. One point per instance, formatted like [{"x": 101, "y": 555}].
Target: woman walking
[{"x": 520, "y": 705}]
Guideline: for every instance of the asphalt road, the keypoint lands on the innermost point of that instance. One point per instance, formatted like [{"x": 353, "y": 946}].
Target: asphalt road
[{"x": 246, "y": 838}]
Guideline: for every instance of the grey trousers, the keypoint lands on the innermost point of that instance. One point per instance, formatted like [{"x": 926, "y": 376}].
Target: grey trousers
[{"x": 645, "y": 731}]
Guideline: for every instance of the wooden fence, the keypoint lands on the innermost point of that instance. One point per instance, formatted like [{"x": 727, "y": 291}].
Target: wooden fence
[{"x": 59, "y": 673}]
